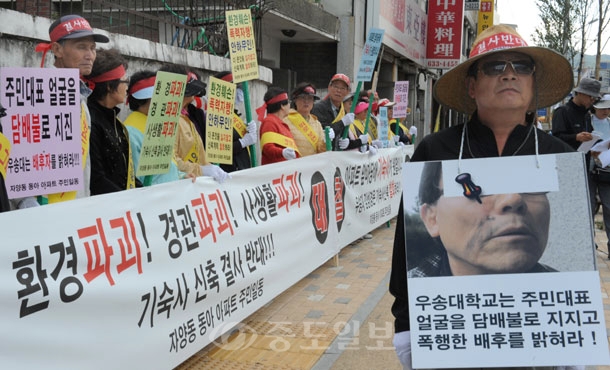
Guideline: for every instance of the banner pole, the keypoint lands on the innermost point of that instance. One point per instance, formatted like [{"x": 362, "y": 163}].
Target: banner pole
[{"x": 244, "y": 86}]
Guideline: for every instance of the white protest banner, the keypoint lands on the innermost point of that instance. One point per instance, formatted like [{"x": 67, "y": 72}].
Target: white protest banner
[
  {"x": 502, "y": 276},
  {"x": 43, "y": 125},
  {"x": 145, "y": 278}
]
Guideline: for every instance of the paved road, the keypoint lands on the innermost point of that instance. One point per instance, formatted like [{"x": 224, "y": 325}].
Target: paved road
[{"x": 338, "y": 317}]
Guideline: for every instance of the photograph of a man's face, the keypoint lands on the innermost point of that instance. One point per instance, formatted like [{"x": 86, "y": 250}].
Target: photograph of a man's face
[{"x": 487, "y": 233}]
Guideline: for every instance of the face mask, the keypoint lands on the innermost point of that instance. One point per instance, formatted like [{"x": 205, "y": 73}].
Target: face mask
[{"x": 239, "y": 96}]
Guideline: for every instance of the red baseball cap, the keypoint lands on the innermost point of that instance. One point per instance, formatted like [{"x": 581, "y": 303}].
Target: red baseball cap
[
  {"x": 341, "y": 77},
  {"x": 73, "y": 27},
  {"x": 385, "y": 102}
]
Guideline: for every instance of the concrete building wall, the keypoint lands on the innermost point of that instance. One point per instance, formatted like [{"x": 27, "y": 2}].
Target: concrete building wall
[{"x": 315, "y": 62}]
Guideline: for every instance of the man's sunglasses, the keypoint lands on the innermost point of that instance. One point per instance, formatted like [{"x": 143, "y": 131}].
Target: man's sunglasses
[{"x": 497, "y": 67}]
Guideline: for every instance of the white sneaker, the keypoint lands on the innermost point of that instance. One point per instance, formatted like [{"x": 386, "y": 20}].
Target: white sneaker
[{"x": 367, "y": 236}]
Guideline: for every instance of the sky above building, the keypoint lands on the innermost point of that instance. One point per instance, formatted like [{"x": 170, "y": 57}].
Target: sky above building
[{"x": 525, "y": 14}]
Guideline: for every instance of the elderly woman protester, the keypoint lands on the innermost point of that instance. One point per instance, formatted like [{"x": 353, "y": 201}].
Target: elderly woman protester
[
  {"x": 304, "y": 126},
  {"x": 277, "y": 142},
  {"x": 112, "y": 167}
]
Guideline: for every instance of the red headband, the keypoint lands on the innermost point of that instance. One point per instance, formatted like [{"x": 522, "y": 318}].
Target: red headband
[
  {"x": 60, "y": 31},
  {"x": 43, "y": 48},
  {"x": 142, "y": 84},
  {"x": 228, "y": 77},
  {"x": 262, "y": 110},
  {"x": 65, "y": 28},
  {"x": 497, "y": 41},
  {"x": 113, "y": 74}
]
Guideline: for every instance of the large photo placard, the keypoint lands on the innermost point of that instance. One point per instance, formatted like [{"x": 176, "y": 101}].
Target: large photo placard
[{"x": 501, "y": 263}]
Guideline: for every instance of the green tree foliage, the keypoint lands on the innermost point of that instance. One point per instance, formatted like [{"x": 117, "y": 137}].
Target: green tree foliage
[
  {"x": 558, "y": 25},
  {"x": 566, "y": 27}
]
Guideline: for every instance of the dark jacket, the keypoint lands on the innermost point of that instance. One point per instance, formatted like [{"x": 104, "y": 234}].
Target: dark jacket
[
  {"x": 569, "y": 120},
  {"x": 109, "y": 151},
  {"x": 402, "y": 137},
  {"x": 241, "y": 156},
  {"x": 445, "y": 145},
  {"x": 323, "y": 109}
]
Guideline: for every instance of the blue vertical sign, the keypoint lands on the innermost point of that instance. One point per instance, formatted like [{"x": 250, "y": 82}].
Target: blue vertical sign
[
  {"x": 383, "y": 129},
  {"x": 369, "y": 55}
]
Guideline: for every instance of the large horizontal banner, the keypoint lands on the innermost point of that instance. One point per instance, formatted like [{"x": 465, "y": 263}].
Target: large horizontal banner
[
  {"x": 501, "y": 263},
  {"x": 145, "y": 278}
]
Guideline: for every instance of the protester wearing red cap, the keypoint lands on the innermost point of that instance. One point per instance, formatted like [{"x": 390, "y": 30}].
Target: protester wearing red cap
[
  {"x": 277, "y": 142},
  {"x": 73, "y": 43},
  {"x": 366, "y": 96},
  {"x": 357, "y": 136},
  {"x": 403, "y": 136},
  {"x": 305, "y": 127},
  {"x": 330, "y": 110}
]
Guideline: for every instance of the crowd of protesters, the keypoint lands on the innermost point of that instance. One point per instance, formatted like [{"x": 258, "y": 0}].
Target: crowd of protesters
[{"x": 290, "y": 125}]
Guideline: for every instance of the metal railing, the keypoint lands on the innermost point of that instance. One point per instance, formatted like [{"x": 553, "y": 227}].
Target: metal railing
[{"x": 190, "y": 24}]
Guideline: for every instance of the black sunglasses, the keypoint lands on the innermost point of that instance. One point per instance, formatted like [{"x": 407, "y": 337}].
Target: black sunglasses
[{"x": 497, "y": 67}]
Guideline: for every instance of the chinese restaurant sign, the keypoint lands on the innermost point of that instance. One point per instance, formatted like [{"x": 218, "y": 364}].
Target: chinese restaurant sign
[{"x": 444, "y": 43}]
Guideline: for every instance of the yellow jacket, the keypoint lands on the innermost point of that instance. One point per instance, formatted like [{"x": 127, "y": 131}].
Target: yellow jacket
[
  {"x": 304, "y": 145},
  {"x": 189, "y": 151}
]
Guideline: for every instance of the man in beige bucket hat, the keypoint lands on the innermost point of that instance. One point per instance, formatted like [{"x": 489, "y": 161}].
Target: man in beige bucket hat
[{"x": 500, "y": 86}]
